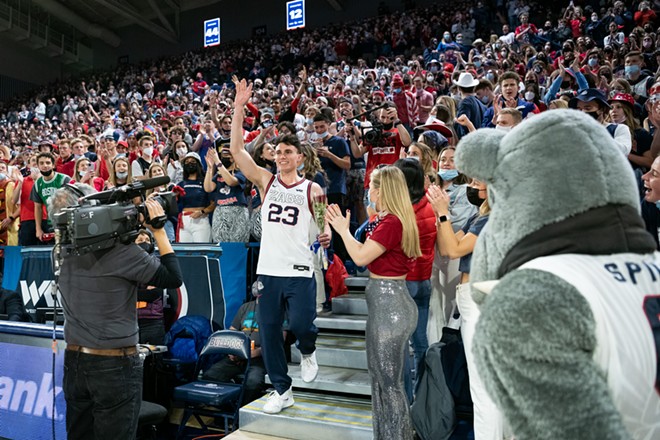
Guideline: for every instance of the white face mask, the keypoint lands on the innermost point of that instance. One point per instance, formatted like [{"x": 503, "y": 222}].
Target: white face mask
[
  {"x": 501, "y": 128},
  {"x": 529, "y": 96},
  {"x": 148, "y": 151},
  {"x": 429, "y": 78}
]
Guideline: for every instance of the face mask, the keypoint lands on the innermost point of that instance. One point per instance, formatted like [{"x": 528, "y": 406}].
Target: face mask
[
  {"x": 477, "y": 64},
  {"x": 435, "y": 69},
  {"x": 148, "y": 151},
  {"x": 456, "y": 96},
  {"x": 473, "y": 196},
  {"x": 414, "y": 158},
  {"x": 34, "y": 170},
  {"x": 593, "y": 62},
  {"x": 310, "y": 89},
  {"x": 77, "y": 156},
  {"x": 300, "y": 167},
  {"x": 447, "y": 37},
  {"x": 631, "y": 70},
  {"x": 323, "y": 135},
  {"x": 122, "y": 175},
  {"x": 447, "y": 175},
  {"x": 355, "y": 71},
  {"x": 346, "y": 70},
  {"x": 226, "y": 162},
  {"x": 147, "y": 247},
  {"x": 502, "y": 128},
  {"x": 47, "y": 173},
  {"x": 484, "y": 99},
  {"x": 372, "y": 204},
  {"x": 657, "y": 204},
  {"x": 190, "y": 168},
  {"x": 181, "y": 152},
  {"x": 397, "y": 90},
  {"x": 429, "y": 78},
  {"x": 529, "y": 96},
  {"x": 503, "y": 53},
  {"x": 388, "y": 126},
  {"x": 121, "y": 155},
  {"x": 360, "y": 83},
  {"x": 490, "y": 77},
  {"x": 594, "y": 19},
  {"x": 3, "y": 176},
  {"x": 593, "y": 114}
]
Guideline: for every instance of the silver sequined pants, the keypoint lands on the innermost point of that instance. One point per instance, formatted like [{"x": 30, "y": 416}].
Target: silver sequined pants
[{"x": 392, "y": 320}]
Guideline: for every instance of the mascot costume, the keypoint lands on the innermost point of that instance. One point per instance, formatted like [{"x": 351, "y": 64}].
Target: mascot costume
[{"x": 568, "y": 281}]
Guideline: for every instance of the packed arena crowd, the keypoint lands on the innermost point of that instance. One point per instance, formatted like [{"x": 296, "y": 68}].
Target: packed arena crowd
[
  {"x": 398, "y": 89},
  {"x": 312, "y": 83}
]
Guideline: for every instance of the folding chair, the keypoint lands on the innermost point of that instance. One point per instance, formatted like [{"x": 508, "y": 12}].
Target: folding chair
[{"x": 212, "y": 398}]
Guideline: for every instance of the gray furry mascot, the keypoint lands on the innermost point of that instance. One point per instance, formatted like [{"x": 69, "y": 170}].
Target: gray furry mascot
[{"x": 568, "y": 281}]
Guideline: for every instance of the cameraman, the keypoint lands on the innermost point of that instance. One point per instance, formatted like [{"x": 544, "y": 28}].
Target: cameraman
[
  {"x": 386, "y": 148},
  {"x": 102, "y": 368}
]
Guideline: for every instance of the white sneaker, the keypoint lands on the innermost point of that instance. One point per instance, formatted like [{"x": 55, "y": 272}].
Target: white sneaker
[
  {"x": 276, "y": 402},
  {"x": 308, "y": 367}
]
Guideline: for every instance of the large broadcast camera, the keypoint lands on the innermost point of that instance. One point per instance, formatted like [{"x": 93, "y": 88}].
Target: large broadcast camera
[
  {"x": 100, "y": 220},
  {"x": 375, "y": 134}
]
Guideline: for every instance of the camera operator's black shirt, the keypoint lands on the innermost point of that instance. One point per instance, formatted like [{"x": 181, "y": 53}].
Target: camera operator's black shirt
[{"x": 99, "y": 295}]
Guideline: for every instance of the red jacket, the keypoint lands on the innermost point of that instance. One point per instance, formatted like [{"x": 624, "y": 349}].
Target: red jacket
[
  {"x": 423, "y": 266},
  {"x": 65, "y": 167}
]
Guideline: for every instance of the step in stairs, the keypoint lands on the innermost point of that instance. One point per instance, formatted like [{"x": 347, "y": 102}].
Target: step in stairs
[{"x": 337, "y": 405}]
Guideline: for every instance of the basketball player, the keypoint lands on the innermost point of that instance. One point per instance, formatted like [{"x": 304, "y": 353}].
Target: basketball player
[{"x": 285, "y": 267}]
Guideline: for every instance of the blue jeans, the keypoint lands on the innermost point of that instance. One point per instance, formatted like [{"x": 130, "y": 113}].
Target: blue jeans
[
  {"x": 420, "y": 292},
  {"x": 103, "y": 395}
]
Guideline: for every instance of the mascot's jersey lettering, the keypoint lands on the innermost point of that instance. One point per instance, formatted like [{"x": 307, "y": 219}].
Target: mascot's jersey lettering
[
  {"x": 623, "y": 291},
  {"x": 286, "y": 219}
]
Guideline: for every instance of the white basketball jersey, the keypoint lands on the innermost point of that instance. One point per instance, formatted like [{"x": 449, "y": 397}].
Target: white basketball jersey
[
  {"x": 286, "y": 219},
  {"x": 623, "y": 291}
]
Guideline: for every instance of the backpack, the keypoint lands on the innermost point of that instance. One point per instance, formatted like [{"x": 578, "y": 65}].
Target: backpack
[
  {"x": 443, "y": 391},
  {"x": 187, "y": 337}
]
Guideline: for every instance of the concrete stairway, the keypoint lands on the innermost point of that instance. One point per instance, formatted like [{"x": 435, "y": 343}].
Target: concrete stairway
[{"x": 337, "y": 404}]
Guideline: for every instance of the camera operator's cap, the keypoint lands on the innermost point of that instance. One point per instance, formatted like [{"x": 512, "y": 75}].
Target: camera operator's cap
[
  {"x": 193, "y": 155},
  {"x": 623, "y": 97},
  {"x": 466, "y": 80},
  {"x": 588, "y": 95},
  {"x": 268, "y": 112},
  {"x": 436, "y": 124}
]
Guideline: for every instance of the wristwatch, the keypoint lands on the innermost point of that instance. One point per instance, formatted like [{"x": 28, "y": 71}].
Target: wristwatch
[{"x": 442, "y": 218}]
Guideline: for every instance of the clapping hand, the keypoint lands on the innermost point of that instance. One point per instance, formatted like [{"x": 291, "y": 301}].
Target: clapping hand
[
  {"x": 439, "y": 200},
  {"x": 336, "y": 219},
  {"x": 243, "y": 92}
]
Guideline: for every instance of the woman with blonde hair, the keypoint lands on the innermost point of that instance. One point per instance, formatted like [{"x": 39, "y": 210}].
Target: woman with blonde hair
[
  {"x": 388, "y": 252},
  {"x": 424, "y": 154}
]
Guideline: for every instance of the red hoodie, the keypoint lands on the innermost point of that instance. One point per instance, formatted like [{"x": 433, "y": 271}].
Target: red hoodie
[{"x": 423, "y": 266}]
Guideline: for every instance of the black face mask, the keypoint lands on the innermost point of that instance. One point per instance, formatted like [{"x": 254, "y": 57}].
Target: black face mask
[
  {"x": 473, "y": 196},
  {"x": 226, "y": 162},
  {"x": 565, "y": 84},
  {"x": 147, "y": 247},
  {"x": 190, "y": 168},
  {"x": 594, "y": 115},
  {"x": 47, "y": 173},
  {"x": 388, "y": 126}
]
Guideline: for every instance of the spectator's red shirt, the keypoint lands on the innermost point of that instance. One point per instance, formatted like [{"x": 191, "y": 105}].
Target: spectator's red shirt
[
  {"x": 199, "y": 86},
  {"x": 576, "y": 26},
  {"x": 643, "y": 17},
  {"x": 385, "y": 154},
  {"x": 65, "y": 167},
  {"x": 406, "y": 107},
  {"x": 27, "y": 205},
  {"x": 532, "y": 29}
]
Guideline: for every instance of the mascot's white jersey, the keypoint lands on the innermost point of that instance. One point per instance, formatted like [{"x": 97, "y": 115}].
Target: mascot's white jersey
[
  {"x": 623, "y": 291},
  {"x": 286, "y": 219}
]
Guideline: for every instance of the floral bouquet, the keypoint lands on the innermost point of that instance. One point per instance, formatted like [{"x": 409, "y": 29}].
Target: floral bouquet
[{"x": 319, "y": 206}]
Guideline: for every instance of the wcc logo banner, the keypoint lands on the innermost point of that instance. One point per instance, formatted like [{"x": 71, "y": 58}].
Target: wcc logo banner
[{"x": 26, "y": 392}]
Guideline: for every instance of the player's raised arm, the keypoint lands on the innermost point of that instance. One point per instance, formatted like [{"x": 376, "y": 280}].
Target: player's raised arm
[{"x": 246, "y": 164}]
